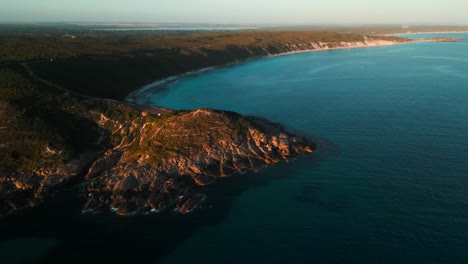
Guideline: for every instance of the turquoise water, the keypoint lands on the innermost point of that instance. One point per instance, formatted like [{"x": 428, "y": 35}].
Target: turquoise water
[{"x": 389, "y": 183}]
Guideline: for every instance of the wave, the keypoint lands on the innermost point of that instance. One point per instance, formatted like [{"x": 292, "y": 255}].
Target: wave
[{"x": 447, "y": 69}]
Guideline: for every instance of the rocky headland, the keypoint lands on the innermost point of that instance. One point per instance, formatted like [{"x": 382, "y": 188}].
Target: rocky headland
[
  {"x": 124, "y": 159},
  {"x": 162, "y": 164},
  {"x": 443, "y": 39}
]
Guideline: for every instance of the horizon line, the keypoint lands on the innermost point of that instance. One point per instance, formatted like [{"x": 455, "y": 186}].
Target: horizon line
[{"x": 233, "y": 24}]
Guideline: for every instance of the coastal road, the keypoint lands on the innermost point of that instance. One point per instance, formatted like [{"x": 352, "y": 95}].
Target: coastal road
[{"x": 151, "y": 110}]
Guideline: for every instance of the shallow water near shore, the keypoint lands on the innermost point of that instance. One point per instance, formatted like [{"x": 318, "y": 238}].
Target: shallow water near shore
[
  {"x": 396, "y": 191},
  {"x": 388, "y": 184}
]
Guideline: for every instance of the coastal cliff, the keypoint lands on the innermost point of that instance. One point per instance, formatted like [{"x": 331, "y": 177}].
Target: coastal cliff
[
  {"x": 126, "y": 160},
  {"x": 114, "y": 66},
  {"x": 160, "y": 164}
]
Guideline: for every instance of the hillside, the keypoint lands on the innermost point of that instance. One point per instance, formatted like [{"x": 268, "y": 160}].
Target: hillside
[
  {"x": 113, "y": 65},
  {"x": 127, "y": 161}
]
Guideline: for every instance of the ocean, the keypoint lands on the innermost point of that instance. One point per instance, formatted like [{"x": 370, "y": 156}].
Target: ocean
[{"x": 388, "y": 184}]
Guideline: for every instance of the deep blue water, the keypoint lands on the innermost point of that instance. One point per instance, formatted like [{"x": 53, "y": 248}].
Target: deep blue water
[{"x": 389, "y": 183}]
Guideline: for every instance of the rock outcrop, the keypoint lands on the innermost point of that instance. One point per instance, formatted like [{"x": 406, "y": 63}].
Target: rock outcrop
[
  {"x": 161, "y": 165},
  {"x": 128, "y": 162},
  {"x": 23, "y": 189}
]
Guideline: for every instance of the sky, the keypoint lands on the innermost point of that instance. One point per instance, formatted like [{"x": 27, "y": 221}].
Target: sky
[{"x": 238, "y": 11}]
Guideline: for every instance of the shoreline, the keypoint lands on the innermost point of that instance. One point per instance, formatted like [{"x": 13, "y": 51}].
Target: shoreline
[
  {"x": 162, "y": 84},
  {"x": 431, "y": 32},
  {"x": 346, "y": 48}
]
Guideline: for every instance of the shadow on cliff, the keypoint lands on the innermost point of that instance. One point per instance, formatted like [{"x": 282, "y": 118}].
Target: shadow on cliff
[{"x": 108, "y": 238}]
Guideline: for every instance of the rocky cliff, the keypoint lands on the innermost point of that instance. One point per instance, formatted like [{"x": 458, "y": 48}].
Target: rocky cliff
[
  {"x": 161, "y": 164},
  {"x": 128, "y": 160}
]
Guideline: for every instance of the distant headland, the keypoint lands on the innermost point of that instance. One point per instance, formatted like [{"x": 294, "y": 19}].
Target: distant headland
[{"x": 443, "y": 39}]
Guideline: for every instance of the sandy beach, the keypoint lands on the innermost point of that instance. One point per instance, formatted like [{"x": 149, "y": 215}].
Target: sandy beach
[{"x": 161, "y": 85}]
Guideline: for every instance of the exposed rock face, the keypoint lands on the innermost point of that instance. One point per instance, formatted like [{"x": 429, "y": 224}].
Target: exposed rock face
[
  {"x": 156, "y": 163},
  {"x": 163, "y": 165},
  {"x": 28, "y": 189},
  {"x": 365, "y": 42}
]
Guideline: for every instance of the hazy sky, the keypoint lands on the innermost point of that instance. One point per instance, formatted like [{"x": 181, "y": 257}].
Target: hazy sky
[{"x": 238, "y": 11}]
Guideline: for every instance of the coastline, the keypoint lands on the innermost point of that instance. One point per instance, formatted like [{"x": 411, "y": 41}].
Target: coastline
[
  {"x": 345, "y": 48},
  {"x": 162, "y": 84},
  {"x": 423, "y": 33}
]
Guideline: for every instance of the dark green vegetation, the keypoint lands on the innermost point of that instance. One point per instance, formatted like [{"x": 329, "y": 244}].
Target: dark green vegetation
[
  {"x": 47, "y": 137},
  {"x": 50, "y": 138},
  {"x": 113, "y": 64},
  {"x": 31, "y": 120},
  {"x": 41, "y": 125}
]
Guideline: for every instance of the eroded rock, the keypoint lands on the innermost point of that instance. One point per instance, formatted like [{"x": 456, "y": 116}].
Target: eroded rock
[
  {"x": 157, "y": 163},
  {"x": 204, "y": 145}
]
